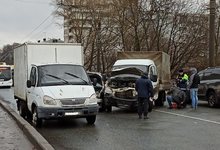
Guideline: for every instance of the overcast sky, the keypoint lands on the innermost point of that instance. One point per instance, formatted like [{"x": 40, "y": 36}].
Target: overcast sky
[{"x": 20, "y": 21}]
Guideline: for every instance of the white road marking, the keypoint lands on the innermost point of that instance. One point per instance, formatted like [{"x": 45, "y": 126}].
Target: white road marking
[{"x": 190, "y": 117}]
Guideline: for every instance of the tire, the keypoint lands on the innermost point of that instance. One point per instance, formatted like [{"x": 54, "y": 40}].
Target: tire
[
  {"x": 212, "y": 100},
  {"x": 109, "y": 108},
  {"x": 91, "y": 120},
  {"x": 22, "y": 110},
  {"x": 37, "y": 122},
  {"x": 102, "y": 106}
]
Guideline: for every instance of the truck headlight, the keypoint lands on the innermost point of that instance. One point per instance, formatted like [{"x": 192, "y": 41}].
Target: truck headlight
[
  {"x": 49, "y": 100},
  {"x": 92, "y": 99}
]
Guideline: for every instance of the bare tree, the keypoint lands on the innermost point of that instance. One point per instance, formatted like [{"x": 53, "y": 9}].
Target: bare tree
[
  {"x": 8, "y": 53},
  {"x": 89, "y": 23},
  {"x": 177, "y": 27}
]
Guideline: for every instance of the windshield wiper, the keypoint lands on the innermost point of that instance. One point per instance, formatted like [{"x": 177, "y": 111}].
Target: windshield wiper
[
  {"x": 65, "y": 81},
  {"x": 73, "y": 75}
]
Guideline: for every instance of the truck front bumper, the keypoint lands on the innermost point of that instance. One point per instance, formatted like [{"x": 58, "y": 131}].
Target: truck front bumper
[
  {"x": 115, "y": 101},
  {"x": 73, "y": 112}
]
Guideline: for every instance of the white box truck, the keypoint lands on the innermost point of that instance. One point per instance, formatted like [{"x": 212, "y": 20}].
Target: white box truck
[{"x": 50, "y": 82}]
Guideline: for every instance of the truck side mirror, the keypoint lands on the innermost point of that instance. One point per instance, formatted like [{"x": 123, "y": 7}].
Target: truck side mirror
[
  {"x": 28, "y": 83},
  {"x": 153, "y": 78}
]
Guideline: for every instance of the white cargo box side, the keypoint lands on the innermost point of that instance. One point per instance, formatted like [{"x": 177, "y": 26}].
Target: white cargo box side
[
  {"x": 40, "y": 54},
  {"x": 55, "y": 53},
  {"x": 20, "y": 72}
]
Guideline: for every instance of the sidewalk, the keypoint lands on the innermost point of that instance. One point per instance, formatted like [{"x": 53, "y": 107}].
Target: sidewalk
[
  {"x": 11, "y": 136},
  {"x": 17, "y": 134}
]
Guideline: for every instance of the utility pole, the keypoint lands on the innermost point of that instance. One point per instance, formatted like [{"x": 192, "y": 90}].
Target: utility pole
[
  {"x": 98, "y": 46},
  {"x": 212, "y": 33}
]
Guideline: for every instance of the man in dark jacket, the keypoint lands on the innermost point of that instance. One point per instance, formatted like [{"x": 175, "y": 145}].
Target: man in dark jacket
[
  {"x": 193, "y": 85},
  {"x": 144, "y": 89}
]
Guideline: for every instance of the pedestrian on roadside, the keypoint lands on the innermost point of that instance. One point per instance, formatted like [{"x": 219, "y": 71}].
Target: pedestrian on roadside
[
  {"x": 193, "y": 86},
  {"x": 144, "y": 89}
]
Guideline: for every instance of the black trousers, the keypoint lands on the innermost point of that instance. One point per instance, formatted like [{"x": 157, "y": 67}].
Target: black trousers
[{"x": 143, "y": 104}]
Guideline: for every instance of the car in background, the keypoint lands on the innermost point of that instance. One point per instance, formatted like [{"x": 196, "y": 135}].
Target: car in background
[
  {"x": 209, "y": 88},
  {"x": 98, "y": 84}
]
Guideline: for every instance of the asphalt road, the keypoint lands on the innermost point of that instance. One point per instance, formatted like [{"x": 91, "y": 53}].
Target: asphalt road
[{"x": 166, "y": 129}]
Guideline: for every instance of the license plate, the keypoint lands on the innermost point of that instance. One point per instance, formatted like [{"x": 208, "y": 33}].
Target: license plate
[{"x": 72, "y": 113}]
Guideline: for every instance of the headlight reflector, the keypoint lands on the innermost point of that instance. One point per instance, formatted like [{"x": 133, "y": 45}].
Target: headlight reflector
[
  {"x": 92, "y": 99},
  {"x": 49, "y": 100}
]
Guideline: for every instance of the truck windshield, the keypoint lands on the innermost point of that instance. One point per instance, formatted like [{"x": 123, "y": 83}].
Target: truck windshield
[
  {"x": 140, "y": 67},
  {"x": 60, "y": 74},
  {"x": 5, "y": 73}
]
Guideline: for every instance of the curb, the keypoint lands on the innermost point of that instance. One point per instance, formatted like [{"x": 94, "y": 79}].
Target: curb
[{"x": 33, "y": 136}]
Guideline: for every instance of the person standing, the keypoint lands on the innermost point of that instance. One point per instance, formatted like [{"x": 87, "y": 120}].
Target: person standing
[
  {"x": 144, "y": 89},
  {"x": 193, "y": 85}
]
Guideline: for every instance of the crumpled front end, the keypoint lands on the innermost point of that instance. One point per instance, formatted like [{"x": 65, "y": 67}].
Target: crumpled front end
[{"x": 122, "y": 87}]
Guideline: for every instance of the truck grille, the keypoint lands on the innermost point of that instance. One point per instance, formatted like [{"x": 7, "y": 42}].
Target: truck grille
[
  {"x": 128, "y": 94},
  {"x": 69, "y": 102}
]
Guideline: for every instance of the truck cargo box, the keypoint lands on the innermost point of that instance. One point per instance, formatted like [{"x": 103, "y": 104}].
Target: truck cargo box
[
  {"x": 41, "y": 53},
  {"x": 161, "y": 59}
]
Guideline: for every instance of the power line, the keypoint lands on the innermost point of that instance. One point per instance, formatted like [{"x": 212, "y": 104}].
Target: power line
[
  {"x": 35, "y": 35},
  {"x": 37, "y": 27}
]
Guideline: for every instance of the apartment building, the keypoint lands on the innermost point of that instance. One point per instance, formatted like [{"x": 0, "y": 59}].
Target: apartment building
[{"x": 81, "y": 15}]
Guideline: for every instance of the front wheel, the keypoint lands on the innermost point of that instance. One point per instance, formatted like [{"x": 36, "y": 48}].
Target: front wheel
[
  {"x": 22, "y": 109},
  {"x": 91, "y": 119},
  {"x": 102, "y": 106},
  {"x": 212, "y": 100},
  {"x": 37, "y": 122},
  {"x": 108, "y": 106}
]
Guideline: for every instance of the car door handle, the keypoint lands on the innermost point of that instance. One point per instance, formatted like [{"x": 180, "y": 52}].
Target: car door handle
[{"x": 28, "y": 92}]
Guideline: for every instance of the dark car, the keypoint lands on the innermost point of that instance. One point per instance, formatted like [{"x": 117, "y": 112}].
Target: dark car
[
  {"x": 209, "y": 88},
  {"x": 98, "y": 84}
]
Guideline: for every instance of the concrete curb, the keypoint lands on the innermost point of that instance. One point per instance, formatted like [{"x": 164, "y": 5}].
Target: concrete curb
[{"x": 35, "y": 138}]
